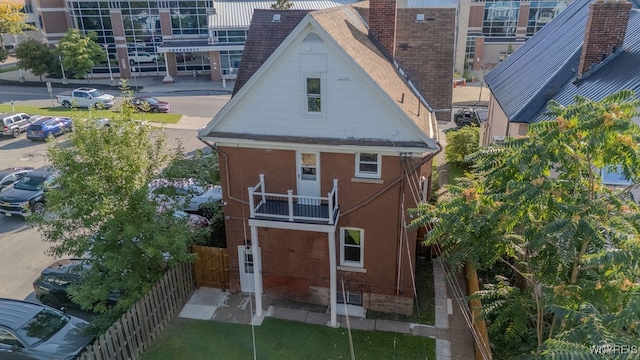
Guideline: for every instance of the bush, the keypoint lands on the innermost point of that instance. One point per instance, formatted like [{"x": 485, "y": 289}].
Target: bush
[{"x": 460, "y": 143}]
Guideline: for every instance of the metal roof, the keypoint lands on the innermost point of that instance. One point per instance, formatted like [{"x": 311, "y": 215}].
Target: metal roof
[
  {"x": 545, "y": 67},
  {"x": 422, "y": 4},
  {"x": 236, "y": 14}
]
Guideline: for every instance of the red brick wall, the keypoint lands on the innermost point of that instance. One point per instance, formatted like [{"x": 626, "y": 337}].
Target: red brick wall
[
  {"x": 382, "y": 22},
  {"x": 294, "y": 261},
  {"x": 606, "y": 28},
  {"x": 425, "y": 50}
]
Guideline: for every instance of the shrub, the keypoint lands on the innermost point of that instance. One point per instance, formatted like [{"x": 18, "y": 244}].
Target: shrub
[{"x": 460, "y": 143}]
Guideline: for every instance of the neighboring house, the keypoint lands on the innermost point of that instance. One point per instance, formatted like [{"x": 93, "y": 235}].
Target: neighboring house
[
  {"x": 323, "y": 147},
  {"x": 591, "y": 49}
]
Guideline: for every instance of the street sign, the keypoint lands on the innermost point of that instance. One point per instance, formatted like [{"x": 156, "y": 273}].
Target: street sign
[{"x": 49, "y": 87}]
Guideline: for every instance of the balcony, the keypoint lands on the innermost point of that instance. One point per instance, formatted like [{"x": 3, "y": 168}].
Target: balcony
[{"x": 293, "y": 208}]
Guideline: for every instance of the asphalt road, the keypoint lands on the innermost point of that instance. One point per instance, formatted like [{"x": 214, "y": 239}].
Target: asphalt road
[
  {"x": 192, "y": 103},
  {"x": 23, "y": 254}
]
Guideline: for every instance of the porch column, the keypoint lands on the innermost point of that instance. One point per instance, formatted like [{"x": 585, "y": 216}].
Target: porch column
[
  {"x": 167, "y": 78},
  {"x": 333, "y": 283},
  {"x": 257, "y": 270}
]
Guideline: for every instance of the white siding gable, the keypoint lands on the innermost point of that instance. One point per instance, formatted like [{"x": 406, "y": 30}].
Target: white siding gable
[{"x": 353, "y": 108}]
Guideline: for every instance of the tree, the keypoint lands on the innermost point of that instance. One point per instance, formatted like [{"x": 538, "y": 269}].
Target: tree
[
  {"x": 282, "y": 5},
  {"x": 12, "y": 21},
  {"x": 80, "y": 52},
  {"x": 100, "y": 210},
  {"x": 563, "y": 247},
  {"x": 35, "y": 57},
  {"x": 460, "y": 143}
]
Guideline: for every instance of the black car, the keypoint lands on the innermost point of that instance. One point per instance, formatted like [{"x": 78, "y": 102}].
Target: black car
[
  {"x": 38, "y": 332},
  {"x": 52, "y": 284},
  {"x": 10, "y": 176},
  {"x": 149, "y": 103},
  {"x": 27, "y": 195}
]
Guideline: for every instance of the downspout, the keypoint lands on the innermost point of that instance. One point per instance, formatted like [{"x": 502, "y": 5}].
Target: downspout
[
  {"x": 226, "y": 171},
  {"x": 394, "y": 182}
]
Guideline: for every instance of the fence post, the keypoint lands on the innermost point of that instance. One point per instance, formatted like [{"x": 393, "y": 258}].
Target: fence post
[
  {"x": 251, "y": 205},
  {"x": 290, "y": 196},
  {"x": 264, "y": 200}
]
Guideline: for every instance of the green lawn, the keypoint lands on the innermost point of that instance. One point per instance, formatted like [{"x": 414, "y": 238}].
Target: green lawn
[
  {"x": 281, "y": 339},
  {"x": 60, "y": 111}
]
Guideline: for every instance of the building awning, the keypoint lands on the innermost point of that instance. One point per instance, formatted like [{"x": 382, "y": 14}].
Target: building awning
[{"x": 196, "y": 46}]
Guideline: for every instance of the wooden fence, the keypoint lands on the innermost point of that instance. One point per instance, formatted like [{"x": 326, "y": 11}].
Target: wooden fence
[
  {"x": 141, "y": 324},
  {"x": 211, "y": 267}
]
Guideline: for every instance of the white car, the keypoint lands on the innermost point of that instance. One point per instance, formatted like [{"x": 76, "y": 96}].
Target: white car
[
  {"x": 188, "y": 193},
  {"x": 142, "y": 58}
]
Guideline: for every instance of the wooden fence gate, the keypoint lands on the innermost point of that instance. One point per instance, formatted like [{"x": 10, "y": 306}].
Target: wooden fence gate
[{"x": 211, "y": 267}]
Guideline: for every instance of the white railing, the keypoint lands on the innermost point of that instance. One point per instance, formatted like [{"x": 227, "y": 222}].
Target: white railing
[{"x": 298, "y": 207}]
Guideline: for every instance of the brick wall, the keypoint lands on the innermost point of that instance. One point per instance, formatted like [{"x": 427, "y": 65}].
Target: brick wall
[
  {"x": 296, "y": 263},
  {"x": 382, "y": 22},
  {"x": 425, "y": 50},
  {"x": 606, "y": 28}
]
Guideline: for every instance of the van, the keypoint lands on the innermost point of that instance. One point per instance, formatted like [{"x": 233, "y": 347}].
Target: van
[{"x": 14, "y": 123}]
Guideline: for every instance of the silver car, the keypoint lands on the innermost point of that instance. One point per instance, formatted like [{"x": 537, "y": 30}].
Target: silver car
[{"x": 188, "y": 193}]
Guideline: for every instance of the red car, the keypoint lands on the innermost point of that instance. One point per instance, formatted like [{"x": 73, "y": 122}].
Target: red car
[{"x": 148, "y": 103}]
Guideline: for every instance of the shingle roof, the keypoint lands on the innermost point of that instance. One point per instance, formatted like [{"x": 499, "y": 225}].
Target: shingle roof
[
  {"x": 236, "y": 14},
  {"x": 545, "y": 67}
]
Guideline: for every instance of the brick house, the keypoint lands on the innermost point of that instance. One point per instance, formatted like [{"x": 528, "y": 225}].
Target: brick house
[{"x": 323, "y": 147}]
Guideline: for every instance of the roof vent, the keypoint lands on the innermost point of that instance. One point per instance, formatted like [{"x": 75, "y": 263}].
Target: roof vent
[{"x": 276, "y": 17}]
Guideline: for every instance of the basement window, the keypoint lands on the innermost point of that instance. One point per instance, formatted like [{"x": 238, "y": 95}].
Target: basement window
[{"x": 352, "y": 298}]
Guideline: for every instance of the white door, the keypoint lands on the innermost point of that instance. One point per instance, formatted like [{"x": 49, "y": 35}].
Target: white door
[
  {"x": 308, "y": 172},
  {"x": 245, "y": 261}
]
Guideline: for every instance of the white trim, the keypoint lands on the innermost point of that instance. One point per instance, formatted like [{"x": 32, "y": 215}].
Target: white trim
[
  {"x": 287, "y": 225},
  {"x": 367, "y": 181},
  {"x": 369, "y": 174},
  {"x": 341, "y": 149},
  {"x": 352, "y": 269},
  {"x": 305, "y": 95},
  {"x": 347, "y": 263},
  {"x": 604, "y": 172}
]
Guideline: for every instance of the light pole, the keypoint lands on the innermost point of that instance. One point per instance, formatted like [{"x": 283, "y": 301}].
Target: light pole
[
  {"x": 64, "y": 77},
  {"x": 109, "y": 62},
  {"x": 15, "y": 42}
]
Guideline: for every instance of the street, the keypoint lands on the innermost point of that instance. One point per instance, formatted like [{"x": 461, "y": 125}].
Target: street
[{"x": 22, "y": 253}]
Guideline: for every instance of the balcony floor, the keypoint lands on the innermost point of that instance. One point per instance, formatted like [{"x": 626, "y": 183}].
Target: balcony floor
[{"x": 278, "y": 207}]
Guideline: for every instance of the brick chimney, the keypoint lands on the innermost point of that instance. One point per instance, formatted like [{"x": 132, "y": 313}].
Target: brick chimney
[
  {"x": 606, "y": 28},
  {"x": 382, "y": 24}
]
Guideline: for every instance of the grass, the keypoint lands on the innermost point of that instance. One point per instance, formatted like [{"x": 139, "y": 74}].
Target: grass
[
  {"x": 455, "y": 171},
  {"x": 424, "y": 309},
  {"x": 8, "y": 69},
  {"x": 61, "y": 111},
  {"x": 282, "y": 340}
]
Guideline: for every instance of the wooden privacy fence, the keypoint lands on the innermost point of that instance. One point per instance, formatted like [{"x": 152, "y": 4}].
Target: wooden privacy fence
[
  {"x": 140, "y": 325},
  {"x": 211, "y": 267}
]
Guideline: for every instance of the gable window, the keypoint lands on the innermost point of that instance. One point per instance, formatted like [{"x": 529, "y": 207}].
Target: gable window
[
  {"x": 368, "y": 165},
  {"x": 351, "y": 247},
  {"x": 314, "y": 95}
]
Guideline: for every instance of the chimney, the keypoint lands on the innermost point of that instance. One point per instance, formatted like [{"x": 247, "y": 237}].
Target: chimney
[
  {"x": 382, "y": 25},
  {"x": 606, "y": 28}
]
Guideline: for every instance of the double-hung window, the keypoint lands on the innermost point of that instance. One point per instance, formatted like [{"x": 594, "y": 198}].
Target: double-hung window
[
  {"x": 368, "y": 165},
  {"x": 614, "y": 175},
  {"x": 351, "y": 247},
  {"x": 314, "y": 95}
]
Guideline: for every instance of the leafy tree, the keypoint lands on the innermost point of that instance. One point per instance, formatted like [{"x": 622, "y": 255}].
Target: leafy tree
[
  {"x": 34, "y": 56},
  {"x": 568, "y": 247},
  {"x": 282, "y": 5},
  {"x": 12, "y": 21},
  {"x": 80, "y": 52},
  {"x": 100, "y": 210},
  {"x": 460, "y": 143}
]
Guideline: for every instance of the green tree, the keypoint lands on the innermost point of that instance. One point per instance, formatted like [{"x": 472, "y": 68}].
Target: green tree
[
  {"x": 282, "y": 5},
  {"x": 34, "y": 56},
  {"x": 460, "y": 143},
  {"x": 12, "y": 21},
  {"x": 80, "y": 52},
  {"x": 100, "y": 210},
  {"x": 565, "y": 247}
]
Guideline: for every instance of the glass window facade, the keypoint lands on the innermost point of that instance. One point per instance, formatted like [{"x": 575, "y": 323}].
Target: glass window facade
[
  {"x": 230, "y": 61},
  {"x": 470, "y": 51},
  {"x": 189, "y": 17},
  {"x": 93, "y": 16},
  {"x": 541, "y": 12},
  {"x": 231, "y": 36},
  {"x": 501, "y": 18}
]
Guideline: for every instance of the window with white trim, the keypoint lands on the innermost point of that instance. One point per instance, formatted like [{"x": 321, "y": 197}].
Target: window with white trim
[
  {"x": 368, "y": 165},
  {"x": 351, "y": 247},
  {"x": 613, "y": 175},
  {"x": 353, "y": 298},
  {"x": 313, "y": 87}
]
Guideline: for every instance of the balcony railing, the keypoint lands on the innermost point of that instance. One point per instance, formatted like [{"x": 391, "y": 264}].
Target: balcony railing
[{"x": 294, "y": 208}]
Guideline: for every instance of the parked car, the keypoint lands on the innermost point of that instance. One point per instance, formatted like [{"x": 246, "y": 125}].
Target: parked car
[
  {"x": 139, "y": 57},
  {"x": 195, "y": 221},
  {"x": 35, "y": 331},
  {"x": 27, "y": 195},
  {"x": 184, "y": 56},
  {"x": 148, "y": 103},
  {"x": 15, "y": 123},
  {"x": 49, "y": 127},
  {"x": 51, "y": 287},
  {"x": 190, "y": 195},
  {"x": 86, "y": 98},
  {"x": 10, "y": 176}
]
